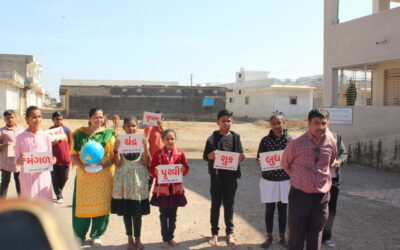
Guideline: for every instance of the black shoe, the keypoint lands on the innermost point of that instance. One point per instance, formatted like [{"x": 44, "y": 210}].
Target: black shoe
[{"x": 267, "y": 243}]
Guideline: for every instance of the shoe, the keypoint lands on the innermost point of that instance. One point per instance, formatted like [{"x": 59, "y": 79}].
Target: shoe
[
  {"x": 283, "y": 242},
  {"x": 267, "y": 243},
  {"x": 329, "y": 243},
  {"x": 96, "y": 242},
  {"x": 59, "y": 201}
]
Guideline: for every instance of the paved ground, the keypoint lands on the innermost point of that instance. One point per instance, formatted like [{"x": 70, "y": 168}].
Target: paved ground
[{"x": 368, "y": 212}]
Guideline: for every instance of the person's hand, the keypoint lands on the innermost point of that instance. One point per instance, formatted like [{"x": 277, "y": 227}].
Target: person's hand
[
  {"x": 258, "y": 162},
  {"x": 160, "y": 124},
  {"x": 336, "y": 164},
  {"x": 4, "y": 145},
  {"x": 241, "y": 157},
  {"x": 21, "y": 161},
  {"x": 182, "y": 169},
  {"x": 117, "y": 144},
  {"x": 157, "y": 171},
  {"x": 54, "y": 160},
  {"x": 212, "y": 155},
  {"x": 145, "y": 142}
]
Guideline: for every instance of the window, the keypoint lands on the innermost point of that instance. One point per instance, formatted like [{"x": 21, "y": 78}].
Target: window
[
  {"x": 208, "y": 102},
  {"x": 247, "y": 100},
  {"x": 230, "y": 100},
  {"x": 124, "y": 90},
  {"x": 162, "y": 90},
  {"x": 293, "y": 100},
  {"x": 200, "y": 91},
  {"x": 139, "y": 90},
  {"x": 215, "y": 92},
  {"x": 240, "y": 75},
  {"x": 179, "y": 91}
]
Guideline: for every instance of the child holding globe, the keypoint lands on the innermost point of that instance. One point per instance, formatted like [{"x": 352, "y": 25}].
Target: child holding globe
[
  {"x": 168, "y": 196},
  {"x": 130, "y": 196},
  {"x": 93, "y": 185},
  {"x": 34, "y": 185}
]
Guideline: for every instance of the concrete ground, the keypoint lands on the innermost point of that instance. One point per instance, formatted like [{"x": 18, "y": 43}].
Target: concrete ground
[{"x": 367, "y": 218}]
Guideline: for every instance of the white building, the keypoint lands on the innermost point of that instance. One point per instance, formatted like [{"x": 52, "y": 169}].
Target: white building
[
  {"x": 20, "y": 80},
  {"x": 254, "y": 95},
  {"x": 370, "y": 44}
]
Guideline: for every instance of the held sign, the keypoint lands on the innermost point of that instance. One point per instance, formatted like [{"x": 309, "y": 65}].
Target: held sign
[
  {"x": 170, "y": 173},
  {"x": 56, "y": 133},
  {"x": 226, "y": 160},
  {"x": 151, "y": 119},
  {"x": 131, "y": 143},
  {"x": 271, "y": 160},
  {"x": 11, "y": 149},
  {"x": 37, "y": 162}
]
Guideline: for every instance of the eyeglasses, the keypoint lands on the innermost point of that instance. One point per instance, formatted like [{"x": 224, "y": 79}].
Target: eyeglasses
[{"x": 316, "y": 154}]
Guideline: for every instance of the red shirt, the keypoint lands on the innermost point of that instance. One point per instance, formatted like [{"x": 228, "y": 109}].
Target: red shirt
[
  {"x": 154, "y": 134},
  {"x": 308, "y": 164},
  {"x": 61, "y": 148},
  {"x": 161, "y": 158}
]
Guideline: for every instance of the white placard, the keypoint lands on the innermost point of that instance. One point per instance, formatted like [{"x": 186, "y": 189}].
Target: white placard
[
  {"x": 271, "y": 160},
  {"x": 11, "y": 149},
  {"x": 340, "y": 116},
  {"x": 131, "y": 143},
  {"x": 151, "y": 119},
  {"x": 170, "y": 173},
  {"x": 226, "y": 160},
  {"x": 56, "y": 133},
  {"x": 37, "y": 162}
]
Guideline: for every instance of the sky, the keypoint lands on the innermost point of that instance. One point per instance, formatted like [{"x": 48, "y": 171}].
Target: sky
[{"x": 168, "y": 40}]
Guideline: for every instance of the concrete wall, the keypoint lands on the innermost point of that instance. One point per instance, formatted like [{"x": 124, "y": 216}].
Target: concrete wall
[
  {"x": 15, "y": 63},
  {"x": 176, "y": 102},
  {"x": 9, "y": 97},
  {"x": 381, "y": 152},
  {"x": 264, "y": 101}
]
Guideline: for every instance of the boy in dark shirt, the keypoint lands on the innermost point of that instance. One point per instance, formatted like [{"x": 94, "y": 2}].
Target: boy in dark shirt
[{"x": 223, "y": 182}]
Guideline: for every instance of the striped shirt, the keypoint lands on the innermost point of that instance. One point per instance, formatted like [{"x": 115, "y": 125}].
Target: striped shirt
[{"x": 308, "y": 164}]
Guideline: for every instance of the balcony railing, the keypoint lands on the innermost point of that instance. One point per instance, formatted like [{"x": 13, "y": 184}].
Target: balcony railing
[{"x": 12, "y": 77}]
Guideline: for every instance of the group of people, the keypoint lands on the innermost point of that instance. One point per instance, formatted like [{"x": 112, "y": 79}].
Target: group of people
[{"x": 307, "y": 182}]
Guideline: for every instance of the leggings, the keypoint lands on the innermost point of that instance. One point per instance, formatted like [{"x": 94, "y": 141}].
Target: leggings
[
  {"x": 269, "y": 216},
  {"x": 136, "y": 222}
]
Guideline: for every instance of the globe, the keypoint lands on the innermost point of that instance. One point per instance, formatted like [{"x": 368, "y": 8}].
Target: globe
[{"x": 92, "y": 153}]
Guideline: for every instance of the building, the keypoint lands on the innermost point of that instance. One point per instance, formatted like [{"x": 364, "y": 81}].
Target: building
[
  {"x": 254, "y": 95},
  {"x": 20, "y": 80},
  {"x": 371, "y": 45},
  {"x": 127, "y": 98}
]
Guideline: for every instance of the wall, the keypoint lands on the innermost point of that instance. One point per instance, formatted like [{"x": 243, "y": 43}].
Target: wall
[
  {"x": 176, "y": 102},
  {"x": 381, "y": 152}
]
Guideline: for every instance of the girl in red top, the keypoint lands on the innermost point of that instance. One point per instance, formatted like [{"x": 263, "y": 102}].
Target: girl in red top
[{"x": 168, "y": 197}]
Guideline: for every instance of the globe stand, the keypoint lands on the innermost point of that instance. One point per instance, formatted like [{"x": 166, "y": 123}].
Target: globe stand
[{"x": 93, "y": 168}]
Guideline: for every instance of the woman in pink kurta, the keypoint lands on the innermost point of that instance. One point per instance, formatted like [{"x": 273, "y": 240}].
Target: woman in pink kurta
[{"x": 33, "y": 185}]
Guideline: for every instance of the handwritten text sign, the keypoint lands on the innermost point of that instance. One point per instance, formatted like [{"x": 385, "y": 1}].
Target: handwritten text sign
[
  {"x": 131, "y": 143},
  {"x": 11, "y": 149},
  {"x": 56, "y": 133},
  {"x": 271, "y": 160},
  {"x": 169, "y": 173},
  {"x": 151, "y": 119},
  {"x": 226, "y": 160},
  {"x": 37, "y": 162}
]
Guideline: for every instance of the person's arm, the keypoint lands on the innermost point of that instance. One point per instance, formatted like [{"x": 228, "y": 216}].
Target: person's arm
[
  {"x": 117, "y": 156},
  {"x": 241, "y": 157},
  {"x": 288, "y": 157},
  {"x": 207, "y": 154},
  {"x": 69, "y": 137},
  {"x": 19, "y": 160},
  {"x": 185, "y": 165},
  {"x": 260, "y": 150},
  {"x": 3, "y": 145},
  {"x": 153, "y": 165},
  {"x": 342, "y": 153},
  {"x": 146, "y": 158}
]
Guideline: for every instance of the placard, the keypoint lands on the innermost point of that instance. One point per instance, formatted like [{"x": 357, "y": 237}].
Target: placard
[
  {"x": 170, "y": 173},
  {"x": 37, "y": 162},
  {"x": 11, "y": 149},
  {"x": 226, "y": 160},
  {"x": 131, "y": 143},
  {"x": 151, "y": 119},
  {"x": 56, "y": 133},
  {"x": 271, "y": 160}
]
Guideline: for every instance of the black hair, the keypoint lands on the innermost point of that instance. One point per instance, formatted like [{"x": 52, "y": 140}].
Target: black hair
[
  {"x": 8, "y": 112},
  {"x": 224, "y": 112},
  {"x": 159, "y": 112},
  {"x": 56, "y": 114},
  {"x": 319, "y": 113},
  {"x": 165, "y": 132},
  {"x": 93, "y": 111},
  {"x": 129, "y": 119},
  {"x": 277, "y": 116},
  {"x": 29, "y": 110}
]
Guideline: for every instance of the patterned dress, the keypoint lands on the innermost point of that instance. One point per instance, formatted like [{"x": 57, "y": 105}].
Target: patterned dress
[{"x": 130, "y": 194}]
